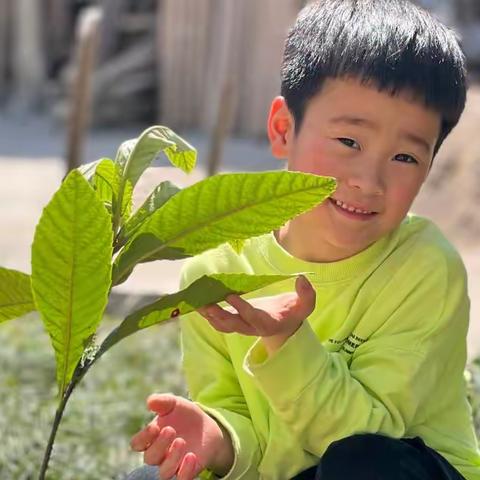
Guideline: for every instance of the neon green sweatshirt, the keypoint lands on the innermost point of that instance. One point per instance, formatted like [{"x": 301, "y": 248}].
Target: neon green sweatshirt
[{"x": 384, "y": 351}]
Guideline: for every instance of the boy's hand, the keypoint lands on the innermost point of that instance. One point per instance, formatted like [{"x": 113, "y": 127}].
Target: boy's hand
[
  {"x": 182, "y": 439},
  {"x": 273, "y": 318}
]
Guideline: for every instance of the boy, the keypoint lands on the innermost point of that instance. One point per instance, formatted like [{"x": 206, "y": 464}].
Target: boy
[{"x": 358, "y": 373}]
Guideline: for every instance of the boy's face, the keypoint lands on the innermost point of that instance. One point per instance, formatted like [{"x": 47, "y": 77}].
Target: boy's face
[{"x": 378, "y": 147}]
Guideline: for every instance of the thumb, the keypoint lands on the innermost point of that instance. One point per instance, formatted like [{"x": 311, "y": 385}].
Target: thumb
[
  {"x": 161, "y": 403},
  {"x": 306, "y": 294}
]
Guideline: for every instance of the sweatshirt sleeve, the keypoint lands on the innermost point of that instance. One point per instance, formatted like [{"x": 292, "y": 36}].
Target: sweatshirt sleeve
[
  {"x": 213, "y": 385},
  {"x": 325, "y": 396}
]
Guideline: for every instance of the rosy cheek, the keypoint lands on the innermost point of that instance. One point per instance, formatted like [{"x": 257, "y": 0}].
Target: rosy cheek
[
  {"x": 329, "y": 164},
  {"x": 403, "y": 199},
  {"x": 322, "y": 161}
]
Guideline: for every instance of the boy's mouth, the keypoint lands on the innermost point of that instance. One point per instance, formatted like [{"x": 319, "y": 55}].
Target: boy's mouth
[{"x": 352, "y": 209}]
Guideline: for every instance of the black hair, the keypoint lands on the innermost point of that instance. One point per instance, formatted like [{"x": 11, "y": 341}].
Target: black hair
[{"x": 392, "y": 44}]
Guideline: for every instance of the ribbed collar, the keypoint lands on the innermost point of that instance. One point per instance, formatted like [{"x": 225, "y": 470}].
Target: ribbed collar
[{"x": 283, "y": 262}]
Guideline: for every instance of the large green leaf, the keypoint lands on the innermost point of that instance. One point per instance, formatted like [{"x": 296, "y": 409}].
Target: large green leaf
[
  {"x": 15, "y": 294},
  {"x": 219, "y": 209},
  {"x": 88, "y": 169},
  {"x": 134, "y": 156},
  {"x": 106, "y": 182},
  {"x": 71, "y": 268},
  {"x": 162, "y": 192},
  {"x": 205, "y": 290}
]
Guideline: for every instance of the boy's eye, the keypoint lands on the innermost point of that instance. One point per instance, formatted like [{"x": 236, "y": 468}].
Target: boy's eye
[
  {"x": 349, "y": 142},
  {"x": 403, "y": 157}
]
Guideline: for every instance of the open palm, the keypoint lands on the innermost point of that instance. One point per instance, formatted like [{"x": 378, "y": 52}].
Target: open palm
[{"x": 182, "y": 439}]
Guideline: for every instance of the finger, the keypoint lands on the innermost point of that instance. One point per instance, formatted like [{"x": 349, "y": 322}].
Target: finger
[
  {"x": 227, "y": 322},
  {"x": 215, "y": 308},
  {"x": 246, "y": 310},
  {"x": 206, "y": 310},
  {"x": 307, "y": 296},
  {"x": 223, "y": 320},
  {"x": 212, "y": 310},
  {"x": 156, "y": 452},
  {"x": 169, "y": 466},
  {"x": 189, "y": 467},
  {"x": 243, "y": 307},
  {"x": 203, "y": 310},
  {"x": 260, "y": 320},
  {"x": 143, "y": 439},
  {"x": 162, "y": 403},
  {"x": 232, "y": 326}
]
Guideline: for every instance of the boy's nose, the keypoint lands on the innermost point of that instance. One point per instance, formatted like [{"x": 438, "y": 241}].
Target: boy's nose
[{"x": 368, "y": 182}]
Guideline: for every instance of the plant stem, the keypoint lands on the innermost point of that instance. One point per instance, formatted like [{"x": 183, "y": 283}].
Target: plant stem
[
  {"x": 79, "y": 373},
  {"x": 53, "y": 433}
]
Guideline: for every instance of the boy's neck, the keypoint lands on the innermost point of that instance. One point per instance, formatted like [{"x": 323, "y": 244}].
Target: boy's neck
[{"x": 303, "y": 245}]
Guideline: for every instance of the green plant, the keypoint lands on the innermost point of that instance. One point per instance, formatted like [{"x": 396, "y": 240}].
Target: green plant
[{"x": 87, "y": 241}]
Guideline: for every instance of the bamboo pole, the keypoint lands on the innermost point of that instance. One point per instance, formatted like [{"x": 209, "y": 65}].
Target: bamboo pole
[
  {"x": 223, "y": 102},
  {"x": 87, "y": 43}
]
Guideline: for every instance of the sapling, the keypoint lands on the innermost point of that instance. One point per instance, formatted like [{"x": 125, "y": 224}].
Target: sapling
[{"x": 87, "y": 241}]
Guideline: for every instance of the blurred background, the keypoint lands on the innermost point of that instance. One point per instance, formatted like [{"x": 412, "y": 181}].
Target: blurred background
[{"x": 79, "y": 77}]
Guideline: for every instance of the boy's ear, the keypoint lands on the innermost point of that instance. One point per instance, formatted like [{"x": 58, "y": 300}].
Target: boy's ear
[{"x": 280, "y": 128}]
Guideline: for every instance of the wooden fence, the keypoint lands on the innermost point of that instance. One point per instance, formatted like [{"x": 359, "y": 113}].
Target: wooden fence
[
  {"x": 159, "y": 60},
  {"x": 176, "y": 69},
  {"x": 204, "y": 43}
]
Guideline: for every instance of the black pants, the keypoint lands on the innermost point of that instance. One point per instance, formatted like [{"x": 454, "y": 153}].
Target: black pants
[{"x": 376, "y": 457}]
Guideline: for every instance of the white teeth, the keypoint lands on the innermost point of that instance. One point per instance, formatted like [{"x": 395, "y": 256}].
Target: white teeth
[{"x": 350, "y": 209}]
